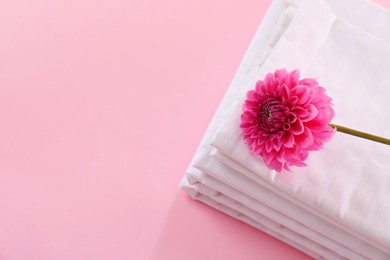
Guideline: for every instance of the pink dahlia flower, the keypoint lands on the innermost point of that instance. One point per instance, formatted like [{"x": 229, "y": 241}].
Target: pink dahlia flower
[{"x": 284, "y": 118}]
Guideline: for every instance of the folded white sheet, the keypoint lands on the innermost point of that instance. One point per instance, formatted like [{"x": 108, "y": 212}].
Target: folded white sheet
[
  {"x": 264, "y": 201},
  {"x": 271, "y": 31},
  {"x": 295, "y": 230},
  {"x": 283, "y": 234},
  {"x": 280, "y": 13},
  {"x": 347, "y": 182}
]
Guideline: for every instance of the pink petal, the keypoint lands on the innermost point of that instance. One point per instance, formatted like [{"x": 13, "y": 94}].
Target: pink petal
[
  {"x": 269, "y": 81},
  {"x": 281, "y": 74},
  {"x": 300, "y": 111},
  {"x": 302, "y": 92},
  {"x": 284, "y": 92},
  {"x": 268, "y": 157},
  {"x": 288, "y": 139},
  {"x": 309, "y": 82},
  {"x": 305, "y": 139},
  {"x": 268, "y": 146},
  {"x": 292, "y": 118},
  {"x": 297, "y": 127},
  {"x": 293, "y": 100},
  {"x": 312, "y": 113},
  {"x": 258, "y": 149},
  {"x": 277, "y": 144},
  {"x": 294, "y": 77},
  {"x": 260, "y": 87},
  {"x": 252, "y": 95},
  {"x": 276, "y": 165}
]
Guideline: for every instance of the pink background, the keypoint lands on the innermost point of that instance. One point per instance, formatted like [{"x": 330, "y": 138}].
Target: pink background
[{"x": 102, "y": 105}]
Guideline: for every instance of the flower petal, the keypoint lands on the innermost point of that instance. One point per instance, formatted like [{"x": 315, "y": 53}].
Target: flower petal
[
  {"x": 277, "y": 165},
  {"x": 252, "y": 95},
  {"x": 305, "y": 139},
  {"x": 268, "y": 146},
  {"x": 302, "y": 92},
  {"x": 268, "y": 157},
  {"x": 269, "y": 82},
  {"x": 277, "y": 143},
  {"x": 281, "y": 74},
  {"x": 297, "y": 127},
  {"x": 300, "y": 111},
  {"x": 288, "y": 139},
  {"x": 294, "y": 77},
  {"x": 284, "y": 92},
  {"x": 312, "y": 113}
]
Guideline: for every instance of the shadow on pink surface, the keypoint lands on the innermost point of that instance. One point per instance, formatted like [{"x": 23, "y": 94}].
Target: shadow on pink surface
[{"x": 181, "y": 237}]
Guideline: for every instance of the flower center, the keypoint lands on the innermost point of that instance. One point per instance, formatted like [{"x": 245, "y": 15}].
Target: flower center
[
  {"x": 272, "y": 115},
  {"x": 267, "y": 113}
]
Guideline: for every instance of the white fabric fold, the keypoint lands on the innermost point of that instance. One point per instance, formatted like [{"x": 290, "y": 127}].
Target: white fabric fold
[
  {"x": 317, "y": 242},
  {"x": 253, "y": 195},
  {"x": 282, "y": 234}
]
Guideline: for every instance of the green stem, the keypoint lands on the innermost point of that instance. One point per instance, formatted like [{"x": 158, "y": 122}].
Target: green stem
[{"x": 357, "y": 133}]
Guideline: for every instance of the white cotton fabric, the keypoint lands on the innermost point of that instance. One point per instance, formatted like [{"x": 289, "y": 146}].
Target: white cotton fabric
[
  {"x": 338, "y": 202},
  {"x": 227, "y": 206}
]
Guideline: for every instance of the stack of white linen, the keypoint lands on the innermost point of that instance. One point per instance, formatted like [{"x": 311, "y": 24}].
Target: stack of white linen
[{"x": 338, "y": 207}]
